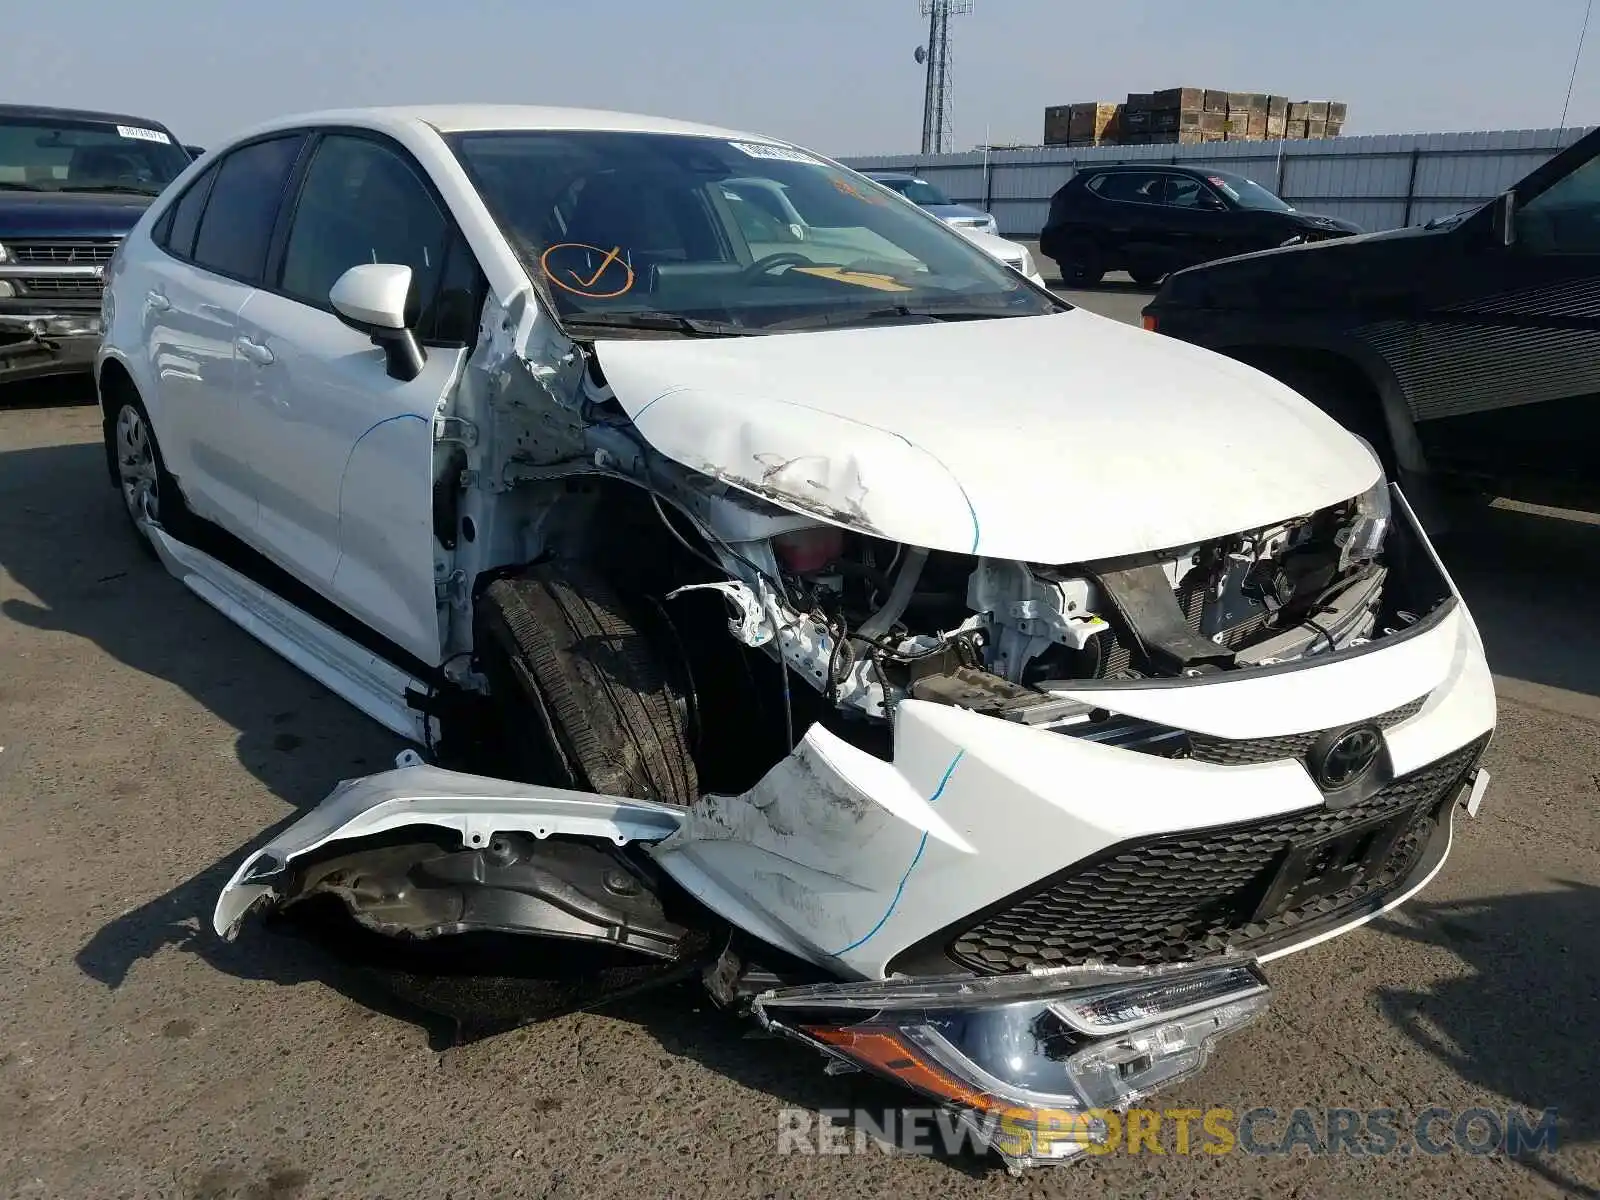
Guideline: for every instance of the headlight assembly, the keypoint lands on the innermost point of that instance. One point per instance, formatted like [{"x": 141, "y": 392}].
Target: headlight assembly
[{"x": 1362, "y": 540}]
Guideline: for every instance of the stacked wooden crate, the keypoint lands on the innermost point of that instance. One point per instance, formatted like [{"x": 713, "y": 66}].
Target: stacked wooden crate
[
  {"x": 1192, "y": 116},
  {"x": 1096, "y": 123}
]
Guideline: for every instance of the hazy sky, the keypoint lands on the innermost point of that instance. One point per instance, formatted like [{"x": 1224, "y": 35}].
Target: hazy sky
[{"x": 834, "y": 74}]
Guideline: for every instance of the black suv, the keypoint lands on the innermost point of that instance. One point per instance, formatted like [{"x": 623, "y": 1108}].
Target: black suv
[
  {"x": 71, "y": 186},
  {"x": 1467, "y": 349},
  {"x": 1152, "y": 220}
]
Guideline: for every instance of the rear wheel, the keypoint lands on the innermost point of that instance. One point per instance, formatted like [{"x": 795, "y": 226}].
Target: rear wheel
[
  {"x": 583, "y": 694},
  {"x": 1148, "y": 278},
  {"x": 150, "y": 497}
]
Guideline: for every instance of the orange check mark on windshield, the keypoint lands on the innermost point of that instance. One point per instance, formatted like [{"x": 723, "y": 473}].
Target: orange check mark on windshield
[{"x": 595, "y": 278}]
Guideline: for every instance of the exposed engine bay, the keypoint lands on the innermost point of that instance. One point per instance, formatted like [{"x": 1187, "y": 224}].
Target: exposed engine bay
[{"x": 869, "y": 622}]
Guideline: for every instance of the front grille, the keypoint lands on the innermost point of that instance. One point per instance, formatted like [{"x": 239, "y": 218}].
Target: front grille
[
  {"x": 1238, "y": 752},
  {"x": 1182, "y": 896},
  {"x": 66, "y": 288},
  {"x": 64, "y": 252}
]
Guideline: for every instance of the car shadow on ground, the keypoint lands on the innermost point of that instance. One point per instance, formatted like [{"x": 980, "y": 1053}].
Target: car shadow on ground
[
  {"x": 53, "y": 391},
  {"x": 1530, "y": 581},
  {"x": 1521, "y": 1022},
  {"x": 64, "y": 540}
]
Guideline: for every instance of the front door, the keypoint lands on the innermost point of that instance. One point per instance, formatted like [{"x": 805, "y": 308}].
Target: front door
[
  {"x": 1506, "y": 362},
  {"x": 345, "y": 451}
]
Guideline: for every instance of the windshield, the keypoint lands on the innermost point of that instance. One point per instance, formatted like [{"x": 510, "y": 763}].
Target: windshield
[
  {"x": 918, "y": 191},
  {"x": 745, "y": 237},
  {"x": 1247, "y": 193},
  {"x": 58, "y": 155}
]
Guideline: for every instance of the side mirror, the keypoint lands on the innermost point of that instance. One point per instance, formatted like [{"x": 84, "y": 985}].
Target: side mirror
[
  {"x": 371, "y": 298},
  {"x": 195, "y": 151},
  {"x": 1503, "y": 219}
]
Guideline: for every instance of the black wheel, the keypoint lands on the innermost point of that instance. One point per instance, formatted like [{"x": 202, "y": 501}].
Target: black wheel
[
  {"x": 584, "y": 695},
  {"x": 1148, "y": 279},
  {"x": 1080, "y": 265},
  {"x": 150, "y": 496}
]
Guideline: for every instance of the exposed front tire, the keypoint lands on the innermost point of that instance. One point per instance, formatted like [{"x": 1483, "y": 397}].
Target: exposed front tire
[
  {"x": 584, "y": 697},
  {"x": 150, "y": 496}
]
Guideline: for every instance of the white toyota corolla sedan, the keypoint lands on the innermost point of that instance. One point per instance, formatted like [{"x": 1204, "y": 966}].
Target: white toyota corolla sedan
[{"x": 825, "y": 582}]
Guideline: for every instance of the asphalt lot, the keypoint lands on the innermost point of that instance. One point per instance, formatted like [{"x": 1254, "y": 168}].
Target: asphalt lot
[{"x": 147, "y": 744}]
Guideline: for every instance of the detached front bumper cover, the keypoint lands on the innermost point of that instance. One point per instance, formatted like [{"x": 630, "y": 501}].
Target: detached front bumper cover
[{"x": 1031, "y": 1063}]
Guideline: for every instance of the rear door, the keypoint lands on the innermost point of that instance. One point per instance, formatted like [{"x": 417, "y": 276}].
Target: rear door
[
  {"x": 345, "y": 491},
  {"x": 1135, "y": 229},
  {"x": 1504, "y": 368},
  {"x": 215, "y": 244}
]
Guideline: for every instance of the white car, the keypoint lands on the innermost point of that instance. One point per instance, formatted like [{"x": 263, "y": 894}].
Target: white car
[{"x": 851, "y": 611}]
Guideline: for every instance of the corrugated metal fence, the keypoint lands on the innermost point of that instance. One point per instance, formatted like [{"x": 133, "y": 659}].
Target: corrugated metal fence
[{"x": 1380, "y": 182}]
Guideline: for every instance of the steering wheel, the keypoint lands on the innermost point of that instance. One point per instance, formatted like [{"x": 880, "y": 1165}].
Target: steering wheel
[{"x": 784, "y": 258}]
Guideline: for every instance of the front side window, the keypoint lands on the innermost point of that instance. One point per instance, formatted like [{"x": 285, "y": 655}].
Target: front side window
[
  {"x": 748, "y": 234},
  {"x": 361, "y": 203},
  {"x": 1247, "y": 193},
  {"x": 1183, "y": 191},
  {"x": 74, "y": 155},
  {"x": 1565, "y": 217},
  {"x": 237, "y": 225}
]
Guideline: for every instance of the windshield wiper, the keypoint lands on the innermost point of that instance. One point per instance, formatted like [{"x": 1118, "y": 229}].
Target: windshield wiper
[
  {"x": 666, "y": 322},
  {"x": 862, "y": 316},
  {"x": 106, "y": 187}
]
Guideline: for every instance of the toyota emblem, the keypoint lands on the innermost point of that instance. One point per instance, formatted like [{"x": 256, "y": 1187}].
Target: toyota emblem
[{"x": 1347, "y": 757}]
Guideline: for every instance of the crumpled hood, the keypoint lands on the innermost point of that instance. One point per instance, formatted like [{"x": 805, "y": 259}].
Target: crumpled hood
[{"x": 1055, "y": 439}]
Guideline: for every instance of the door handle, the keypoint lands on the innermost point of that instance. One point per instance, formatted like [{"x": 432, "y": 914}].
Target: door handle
[
  {"x": 253, "y": 350},
  {"x": 157, "y": 301}
]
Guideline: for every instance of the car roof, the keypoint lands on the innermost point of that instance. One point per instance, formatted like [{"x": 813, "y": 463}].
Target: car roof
[
  {"x": 1179, "y": 168},
  {"x": 474, "y": 118},
  {"x": 39, "y": 112}
]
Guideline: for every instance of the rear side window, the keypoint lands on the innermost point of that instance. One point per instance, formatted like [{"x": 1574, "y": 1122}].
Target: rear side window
[
  {"x": 177, "y": 230},
  {"x": 1137, "y": 187},
  {"x": 237, "y": 226}
]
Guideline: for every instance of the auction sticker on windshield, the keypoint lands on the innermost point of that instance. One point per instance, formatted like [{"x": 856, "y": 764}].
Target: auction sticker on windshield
[
  {"x": 778, "y": 153},
  {"x": 143, "y": 135}
]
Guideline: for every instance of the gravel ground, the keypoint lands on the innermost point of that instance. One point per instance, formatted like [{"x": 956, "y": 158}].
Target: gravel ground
[{"x": 147, "y": 744}]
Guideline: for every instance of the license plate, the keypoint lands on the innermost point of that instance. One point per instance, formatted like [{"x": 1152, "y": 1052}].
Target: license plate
[{"x": 1345, "y": 859}]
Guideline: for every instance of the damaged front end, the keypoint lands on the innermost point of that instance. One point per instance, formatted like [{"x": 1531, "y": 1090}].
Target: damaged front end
[
  {"x": 1030, "y": 1062},
  {"x": 1005, "y": 799}
]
